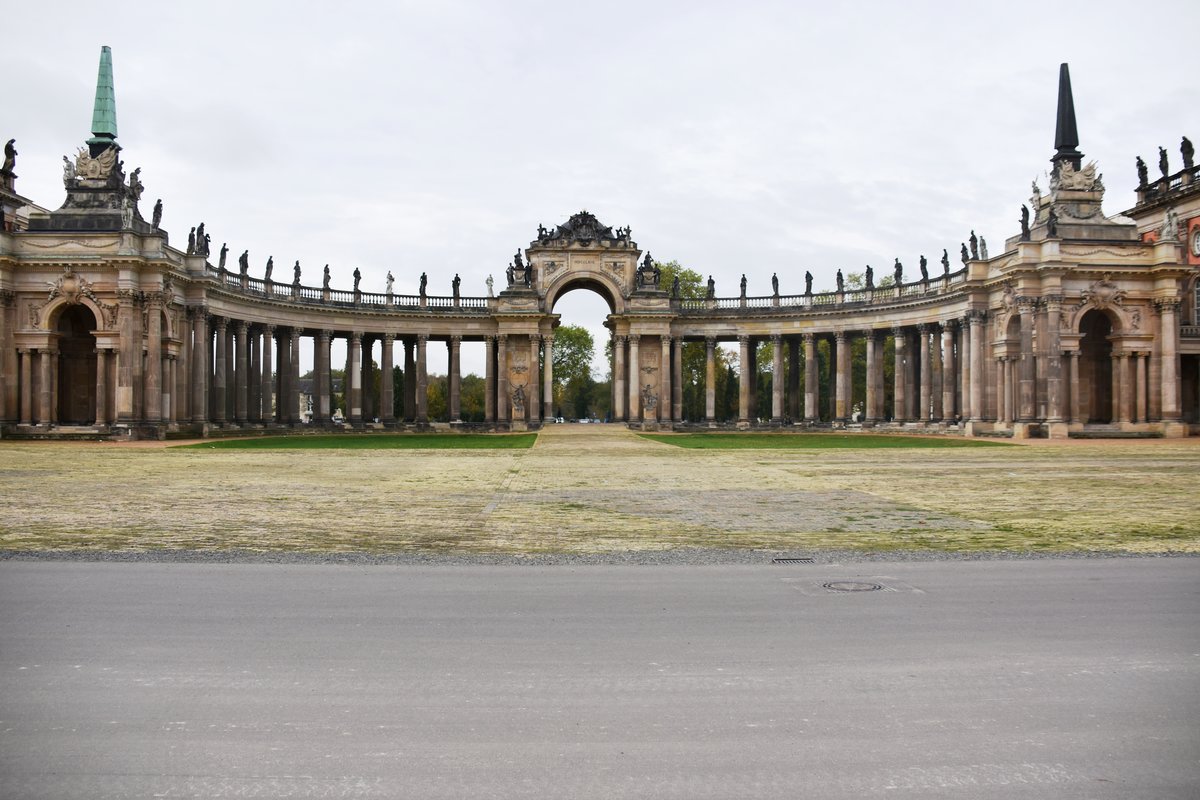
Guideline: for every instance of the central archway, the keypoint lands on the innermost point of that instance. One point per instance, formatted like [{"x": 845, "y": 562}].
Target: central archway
[
  {"x": 76, "y": 366},
  {"x": 582, "y": 384},
  {"x": 1095, "y": 367}
]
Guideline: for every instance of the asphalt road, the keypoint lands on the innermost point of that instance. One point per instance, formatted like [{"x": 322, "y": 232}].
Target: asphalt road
[{"x": 1035, "y": 679}]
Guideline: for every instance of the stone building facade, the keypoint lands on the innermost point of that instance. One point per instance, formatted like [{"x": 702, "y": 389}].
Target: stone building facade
[{"x": 1083, "y": 324}]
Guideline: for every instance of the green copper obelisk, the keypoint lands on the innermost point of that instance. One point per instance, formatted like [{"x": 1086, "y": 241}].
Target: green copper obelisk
[{"x": 104, "y": 112}]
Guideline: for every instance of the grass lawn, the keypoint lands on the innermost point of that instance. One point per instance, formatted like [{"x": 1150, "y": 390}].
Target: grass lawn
[
  {"x": 810, "y": 441},
  {"x": 397, "y": 441}
]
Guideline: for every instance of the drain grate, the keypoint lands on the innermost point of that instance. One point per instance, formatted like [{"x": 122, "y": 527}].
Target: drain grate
[
  {"x": 852, "y": 586},
  {"x": 791, "y": 561}
]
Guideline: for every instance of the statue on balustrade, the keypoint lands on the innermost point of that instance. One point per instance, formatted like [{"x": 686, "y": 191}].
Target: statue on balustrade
[
  {"x": 10, "y": 156},
  {"x": 775, "y": 284},
  {"x": 1143, "y": 172},
  {"x": 325, "y": 278},
  {"x": 1163, "y": 166},
  {"x": 244, "y": 263},
  {"x": 204, "y": 244},
  {"x": 191, "y": 247},
  {"x": 1188, "y": 152},
  {"x": 945, "y": 262},
  {"x": 924, "y": 267},
  {"x": 675, "y": 287},
  {"x": 425, "y": 283},
  {"x": 156, "y": 217},
  {"x": 270, "y": 269},
  {"x": 1052, "y": 224},
  {"x": 391, "y": 282},
  {"x": 296, "y": 273},
  {"x": 200, "y": 234},
  {"x": 491, "y": 284},
  {"x": 870, "y": 277},
  {"x": 223, "y": 255},
  {"x": 841, "y": 282},
  {"x": 1024, "y": 229},
  {"x": 743, "y": 285},
  {"x": 455, "y": 284},
  {"x": 898, "y": 272},
  {"x": 357, "y": 279},
  {"x": 974, "y": 240},
  {"x": 808, "y": 283},
  {"x": 983, "y": 248},
  {"x": 712, "y": 288}
]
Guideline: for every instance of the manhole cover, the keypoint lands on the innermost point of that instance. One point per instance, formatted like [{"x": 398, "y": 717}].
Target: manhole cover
[{"x": 852, "y": 586}]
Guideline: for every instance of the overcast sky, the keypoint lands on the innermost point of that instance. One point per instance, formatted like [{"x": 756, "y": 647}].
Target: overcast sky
[{"x": 753, "y": 137}]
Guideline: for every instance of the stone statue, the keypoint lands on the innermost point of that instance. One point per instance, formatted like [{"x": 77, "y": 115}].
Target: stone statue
[
  {"x": 191, "y": 250},
  {"x": 964, "y": 255},
  {"x": 1024, "y": 228},
  {"x": 1036, "y": 197},
  {"x": 1052, "y": 224},
  {"x": 1143, "y": 173},
  {"x": 269, "y": 270},
  {"x": 508, "y": 272},
  {"x": 946, "y": 259},
  {"x": 743, "y": 284},
  {"x": 518, "y": 262},
  {"x": 649, "y": 399},
  {"x": 135, "y": 185},
  {"x": 296, "y": 273},
  {"x": 126, "y": 214},
  {"x": 841, "y": 282},
  {"x": 807, "y": 283},
  {"x": 983, "y": 248},
  {"x": 205, "y": 245},
  {"x": 200, "y": 234},
  {"x": 1188, "y": 152},
  {"x": 870, "y": 277},
  {"x": 455, "y": 284},
  {"x": 156, "y": 217},
  {"x": 425, "y": 281},
  {"x": 490, "y": 285},
  {"x": 244, "y": 263},
  {"x": 357, "y": 279},
  {"x": 974, "y": 240},
  {"x": 1163, "y": 166},
  {"x": 528, "y": 276},
  {"x": 898, "y": 272},
  {"x": 712, "y": 288},
  {"x": 325, "y": 278},
  {"x": 675, "y": 287},
  {"x": 1170, "y": 228},
  {"x": 68, "y": 172},
  {"x": 10, "y": 156},
  {"x": 541, "y": 232},
  {"x": 924, "y": 267},
  {"x": 775, "y": 283},
  {"x": 223, "y": 255},
  {"x": 391, "y": 282},
  {"x": 518, "y": 400}
]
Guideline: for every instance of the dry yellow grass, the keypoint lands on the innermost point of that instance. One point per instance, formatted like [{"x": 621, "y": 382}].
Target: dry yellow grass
[{"x": 600, "y": 488}]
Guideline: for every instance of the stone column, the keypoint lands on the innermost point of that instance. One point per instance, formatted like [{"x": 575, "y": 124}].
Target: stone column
[
  {"x": 811, "y": 379},
  {"x": 976, "y": 320},
  {"x": 101, "y": 386},
  {"x": 964, "y": 370},
  {"x": 1027, "y": 406},
  {"x": 936, "y": 378},
  {"x": 410, "y": 381},
  {"x": 533, "y": 400},
  {"x": 677, "y": 381},
  {"x": 220, "y": 371},
  {"x": 43, "y": 394},
  {"x": 169, "y": 401},
  {"x": 254, "y": 412},
  {"x": 744, "y": 378},
  {"x": 663, "y": 411},
  {"x": 129, "y": 351},
  {"x": 489, "y": 379},
  {"x": 1139, "y": 367},
  {"x": 777, "y": 380},
  {"x": 1052, "y": 352},
  {"x": 949, "y": 371},
  {"x": 792, "y": 399},
  {"x": 266, "y": 382},
  {"x": 26, "y": 358},
  {"x": 870, "y": 412},
  {"x": 710, "y": 379},
  {"x": 422, "y": 378},
  {"x": 200, "y": 338},
  {"x": 387, "y": 386},
  {"x": 1002, "y": 394},
  {"x": 368, "y": 393},
  {"x": 633, "y": 383},
  {"x": 620, "y": 388},
  {"x": 293, "y": 398},
  {"x": 241, "y": 404},
  {"x": 926, "y": 386},
  {"x": 1076, "y": 406},
  {"x": 230, "y": 372},
  {"x": 1125, "y": 406},
  {"x": 9, "y": 371},
  {"x": 502, "y": 378},
  {"x": 548, "y": 378},
  {"x": 323, "y": 378},
  {"x": 841, "y": 409},
  {"x": 152, "y": 378},
  {"x": 1169, "y": 336},
  {"x": 899, "y": 398},
  {"x": 353, "y": 384},
  {"x": 455, "y": 378}
]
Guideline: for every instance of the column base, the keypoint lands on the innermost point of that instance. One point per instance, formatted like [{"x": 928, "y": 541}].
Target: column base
[
  {"x": 1174, "y": 429},
  {"x": 1058, "y": 430}
]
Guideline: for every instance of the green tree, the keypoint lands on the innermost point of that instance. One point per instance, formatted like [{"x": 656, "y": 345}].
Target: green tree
[
  {"x": 472, "y": 394},
  {"x": 437, "y": 396},
  {"x": 574, "y": 350}
]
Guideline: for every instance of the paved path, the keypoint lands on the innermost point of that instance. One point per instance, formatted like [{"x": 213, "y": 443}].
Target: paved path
[{"x": 1063, "y": 679}]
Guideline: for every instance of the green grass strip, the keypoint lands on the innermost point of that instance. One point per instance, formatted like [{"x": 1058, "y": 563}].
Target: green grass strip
[
  {"x": 810, "y": 441},
  {"x": 379, "y": 441}
]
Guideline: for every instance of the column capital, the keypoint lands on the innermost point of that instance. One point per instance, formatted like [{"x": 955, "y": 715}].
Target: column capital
[
  {"x": 620, "y": 339},
  {"x": 295, "y": 334},
  {"x": 808, "y": 338},
  {"x": 355, "y": 337},
  {"x": 634, "y": 338},
  {"x": 243, "y": 327},
  {"x": 1053, "y": 302},
  {"x": 744, "y": 339},
  {"x": 8, "y": 298},
  {"x": 777, "y": 340},
  {"x": 456, "y": 340},
  {"x": 898, "y": 332},
  {"x": 1167, "y": 305},
  {"x": 1025, "y": 304},
  {"x": 666, "y": 339},
  {"x": 325, "y": 335},
  {"x": 197, "y": 311},
  {"x": 949, "y": 325},
  {"x": 220, "y": 323},
  {"x": 839, "y": 336},
  {"x": 710, "y": 341},
  {"x": 269, "y": 330},
  {"x": 976, "y": 316}
]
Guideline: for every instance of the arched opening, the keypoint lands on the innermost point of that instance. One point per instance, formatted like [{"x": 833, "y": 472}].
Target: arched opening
[
  {"x": 76, "y": 366},
  {"x": 1095, "y": 367},
  {"x": 582, "y": 386}
]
